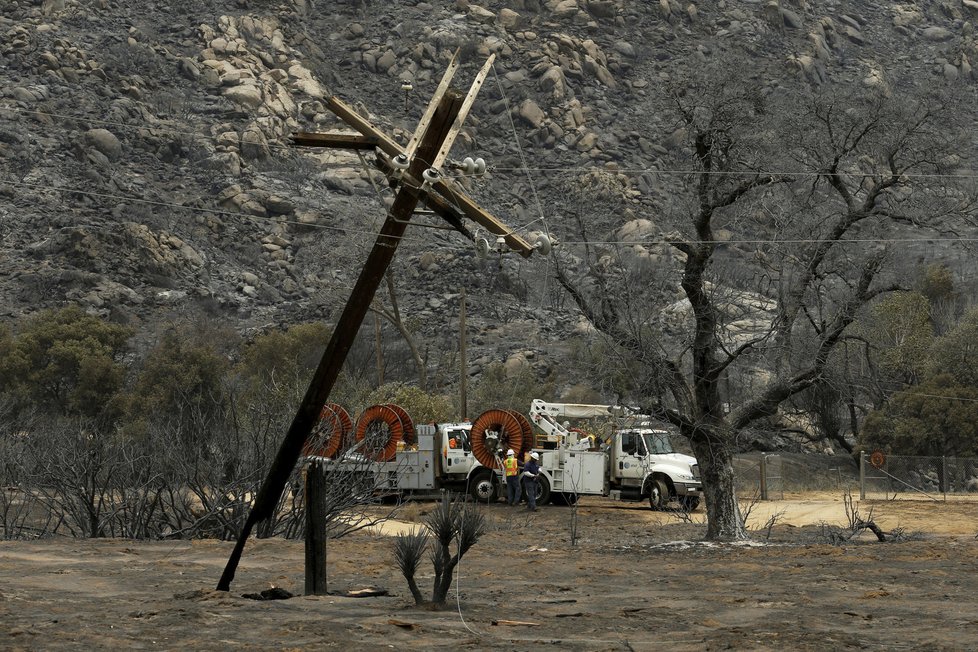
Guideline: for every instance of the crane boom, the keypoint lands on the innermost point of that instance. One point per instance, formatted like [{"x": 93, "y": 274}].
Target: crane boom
[{"x": 545, "y": 416}]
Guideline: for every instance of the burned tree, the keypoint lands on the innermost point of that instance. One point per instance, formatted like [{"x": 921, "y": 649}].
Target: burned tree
[{"x": 782, "y": 209}]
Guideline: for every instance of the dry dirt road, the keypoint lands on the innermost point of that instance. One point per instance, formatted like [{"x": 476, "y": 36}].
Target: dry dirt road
[{"x": 632, "y": 580}]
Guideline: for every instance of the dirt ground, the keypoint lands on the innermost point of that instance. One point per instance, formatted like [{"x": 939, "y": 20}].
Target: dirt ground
[{"x": 633, "y": 580}]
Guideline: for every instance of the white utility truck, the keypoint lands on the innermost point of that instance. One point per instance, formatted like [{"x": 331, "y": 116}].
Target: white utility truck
[
  {"x": 621, "y": 457},
  {"x": 439, "y": 457},
  {"x": 624, "y": 457}
]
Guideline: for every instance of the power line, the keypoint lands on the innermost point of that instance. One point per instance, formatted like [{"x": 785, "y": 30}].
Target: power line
[
  {"x": 525, "y": 169},
  {"x": 909, "y": 393},
  {"x": 968, "y": 174},
  {"x": 345, "y": 230},
  {"x": 739, "y": 173},
  {"x": 519, "y": 149},
  {"x": 642, "y": 241},
  {"x": 201, "y": 209},
  {"x": 771, "y": 241}
]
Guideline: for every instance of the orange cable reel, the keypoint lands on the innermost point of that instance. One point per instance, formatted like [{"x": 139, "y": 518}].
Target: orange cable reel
[
  {"x": 331, "y": 433},
  {"x": 528, "y": 439},
  {"x": 409, "y": 434},
  {"x": 379, "y": 429},
  {"x": 493, "y": 432}
]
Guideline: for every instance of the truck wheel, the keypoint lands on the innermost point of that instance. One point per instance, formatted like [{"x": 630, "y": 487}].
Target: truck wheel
[
  {"x": 658, "y": 495},
  {"x": 484, "y": 489},
  {"x": 689, "y": 503},
  {"x": 543, "y": 490}
]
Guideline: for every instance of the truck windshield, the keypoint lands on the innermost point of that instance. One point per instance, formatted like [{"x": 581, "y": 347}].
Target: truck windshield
[{"x": 658, "y": 443}]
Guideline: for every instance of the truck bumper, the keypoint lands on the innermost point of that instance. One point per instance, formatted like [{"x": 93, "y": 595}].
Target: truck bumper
[{"x": 689, "y": 488}]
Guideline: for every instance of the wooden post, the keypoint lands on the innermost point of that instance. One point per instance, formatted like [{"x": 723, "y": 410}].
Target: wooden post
[
  {"x": 763, "y": 476},
  {"x": 346, "y": 329},
  {"x": 463, "y": 362},
  {"x": 315, "y": 529},
  {"x": 944, "y": 480}
]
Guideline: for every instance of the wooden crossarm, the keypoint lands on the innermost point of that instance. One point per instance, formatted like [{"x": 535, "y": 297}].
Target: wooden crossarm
[
  {"x": 335, "y": 140},
  {"x": 455, "y": 194},
  {"x": 345, "y": 112}
]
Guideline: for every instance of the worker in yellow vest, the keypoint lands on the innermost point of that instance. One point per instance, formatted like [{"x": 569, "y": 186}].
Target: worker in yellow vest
[{"x": 511, "y": 466}]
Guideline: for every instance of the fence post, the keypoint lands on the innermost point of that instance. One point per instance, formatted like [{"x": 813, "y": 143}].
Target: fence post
[
  {"x": 862, "y": 475},
  {"x": 763, "y": 476},
  {"x": 315, "y": 529},
  {"x": 944, "y": 478}
]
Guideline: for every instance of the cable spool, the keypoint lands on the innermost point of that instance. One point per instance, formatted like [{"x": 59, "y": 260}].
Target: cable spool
[
  {"x": 409, "y": 435},
  {"x": 379, "y": 429},
  {"x": 528, "y": 438},
  {"x": 331, "y": 434},
  {"x": 492, "y": 433}
]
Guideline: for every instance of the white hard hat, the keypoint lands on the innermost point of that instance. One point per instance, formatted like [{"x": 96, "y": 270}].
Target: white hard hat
[
  {"x": 510, "y": 452},
  {"x": 535, "y": 455}
]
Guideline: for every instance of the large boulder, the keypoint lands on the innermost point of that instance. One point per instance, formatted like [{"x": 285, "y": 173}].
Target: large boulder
[
  {"x": 105, "y": 142},
  {"x": 532, "y": 113},
  {"x": 245, "y": 94}
]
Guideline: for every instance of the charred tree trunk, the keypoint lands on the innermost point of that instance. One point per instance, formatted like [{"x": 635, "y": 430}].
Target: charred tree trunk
[{"x": 715, "y": 459}]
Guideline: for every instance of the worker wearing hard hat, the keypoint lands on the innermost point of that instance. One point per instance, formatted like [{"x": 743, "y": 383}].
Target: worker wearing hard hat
[
  {"x": 511, "y": 467},
  {"x": 531, "y": 471}
]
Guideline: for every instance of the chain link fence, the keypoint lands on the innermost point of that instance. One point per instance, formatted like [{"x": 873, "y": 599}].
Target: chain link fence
[
  {"x": 770, "y": 475},
  {"x": 908, "y": 477},
  {"x": 759, "y": 476}
]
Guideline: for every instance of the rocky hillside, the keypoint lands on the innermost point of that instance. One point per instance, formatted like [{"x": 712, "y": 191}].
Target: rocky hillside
[{"x": 147, "y": 168}]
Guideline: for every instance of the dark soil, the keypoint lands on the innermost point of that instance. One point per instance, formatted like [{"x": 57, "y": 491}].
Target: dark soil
[{"x": 633, "y": 580}]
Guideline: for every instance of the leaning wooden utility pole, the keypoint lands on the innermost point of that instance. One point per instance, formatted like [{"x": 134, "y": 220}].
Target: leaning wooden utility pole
[{"x": 415, "y": 171}]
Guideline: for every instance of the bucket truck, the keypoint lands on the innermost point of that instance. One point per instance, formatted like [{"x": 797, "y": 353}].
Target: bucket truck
[{"x": 630, "y": 460}]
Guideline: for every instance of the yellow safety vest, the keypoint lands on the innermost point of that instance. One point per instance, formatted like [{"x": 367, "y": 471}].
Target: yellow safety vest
[{"x": 510, "y": 465}]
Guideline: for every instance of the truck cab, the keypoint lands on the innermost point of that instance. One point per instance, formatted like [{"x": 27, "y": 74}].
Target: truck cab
[
  {"x": 456, "y": 449},
  {"x": 643, "y": 464}
]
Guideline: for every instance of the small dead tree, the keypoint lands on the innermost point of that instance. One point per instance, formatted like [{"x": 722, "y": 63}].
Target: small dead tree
[
  {"x": 856, "y": 523},
  {"x": 573, "y": 517},
  {"x": 747, "y": 507},
  {"x": 855, "y": 520},
  {"x": 452, "y": 521},
  {"x": 93, "y": 484},
  {"x": 21, "y": 514}
]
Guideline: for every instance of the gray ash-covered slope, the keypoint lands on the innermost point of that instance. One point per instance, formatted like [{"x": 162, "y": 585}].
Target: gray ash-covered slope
[{"x": 147, "y": 168}]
